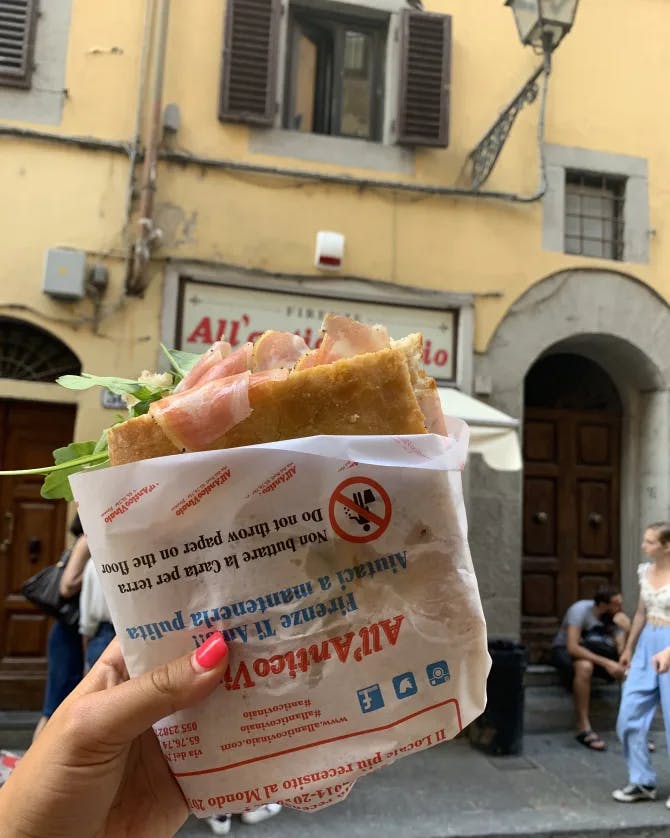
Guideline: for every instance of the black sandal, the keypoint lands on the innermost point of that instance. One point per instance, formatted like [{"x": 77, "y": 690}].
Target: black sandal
[{"x": 590, "y": 739}]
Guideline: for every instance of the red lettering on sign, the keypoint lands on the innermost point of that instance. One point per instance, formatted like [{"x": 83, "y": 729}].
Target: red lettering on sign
[
  {"x": 440, "y": 357},
  {"x": 202, "y": 332}
]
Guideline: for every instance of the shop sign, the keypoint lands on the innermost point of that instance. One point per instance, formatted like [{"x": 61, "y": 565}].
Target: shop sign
[
  {"x": 209, "y": 312},
  {"x": 112, "y": 401}
]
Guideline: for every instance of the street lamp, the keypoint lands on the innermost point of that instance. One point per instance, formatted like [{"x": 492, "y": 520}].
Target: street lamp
[{"x": 543, "y": 24}]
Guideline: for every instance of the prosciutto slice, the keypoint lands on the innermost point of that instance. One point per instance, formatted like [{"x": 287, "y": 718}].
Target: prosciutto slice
[
  {"x": 214, "y": 397},
  {"x": 216, "y": 353},
  {"x": 278, "y": 350},
  {"x": 344, "y": 338},
  {"x": 239, "y": 361},
  {"x": 431, "y": 407},
  {"x": 195, "y": 418}
]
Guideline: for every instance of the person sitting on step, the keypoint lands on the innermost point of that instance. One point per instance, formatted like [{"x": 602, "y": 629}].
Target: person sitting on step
[{"x": 589, "y": 642}]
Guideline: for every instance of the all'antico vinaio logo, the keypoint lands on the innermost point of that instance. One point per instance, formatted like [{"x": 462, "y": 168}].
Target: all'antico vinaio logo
[
  {"x": 123, "y": 504},
  {"x": 369, "y": 640}
]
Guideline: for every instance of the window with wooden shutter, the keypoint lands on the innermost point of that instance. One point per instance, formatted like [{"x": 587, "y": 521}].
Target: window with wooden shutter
[
  {"x": 423, "y": 112},
  {"x": 17, "y": 41},
  {"x": 249, "y": 73}
]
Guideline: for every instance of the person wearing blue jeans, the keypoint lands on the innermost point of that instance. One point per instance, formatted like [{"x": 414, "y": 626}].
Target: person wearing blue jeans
[
  {"x": 647, "y": 683},
  {"x": 99, "y": 642},
  {"x": 65, "y": 654}
]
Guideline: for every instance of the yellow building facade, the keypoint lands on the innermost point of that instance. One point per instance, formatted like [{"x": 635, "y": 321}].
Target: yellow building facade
[{"x": 141, "y": 206}]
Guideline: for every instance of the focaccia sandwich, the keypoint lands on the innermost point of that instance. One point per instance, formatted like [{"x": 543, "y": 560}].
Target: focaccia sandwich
[{"x": 357, "y": 382}]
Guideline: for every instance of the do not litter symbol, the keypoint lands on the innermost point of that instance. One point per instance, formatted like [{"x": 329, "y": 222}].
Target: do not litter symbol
[{"x": 359, "y": 510}]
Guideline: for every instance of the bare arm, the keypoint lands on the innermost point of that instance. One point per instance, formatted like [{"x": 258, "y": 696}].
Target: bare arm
[
  {"x": 639, "y": 621},
  {"x": 579, "y": 652},
  {"x": 70, "y": 582},
  {"x": 623, "y": 622}
]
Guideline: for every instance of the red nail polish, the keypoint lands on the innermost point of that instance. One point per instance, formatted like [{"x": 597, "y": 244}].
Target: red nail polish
[{"x": 212, "y": 651}]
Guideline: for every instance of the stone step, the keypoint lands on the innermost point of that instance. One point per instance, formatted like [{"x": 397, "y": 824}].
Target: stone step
[
  {"x": 16, "y": 729},
  {"x": 549, "y": 708},
  {"x": 18, "y": 719},
  {"x": 541, "y": 675}
]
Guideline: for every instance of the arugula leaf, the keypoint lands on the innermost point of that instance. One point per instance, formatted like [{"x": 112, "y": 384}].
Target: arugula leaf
[
  {"x": 182, "y": 362},
  {"x": 142, "y": 407},
  {"x": 122, "y": 386},
  {"x": 101, "y": 444},
  {"x": 73, "y": 451},
  {"x": 85, "y": 381},
  {"x": 142, "y": 393},
  {"x": 57, "y": 483},
  {"x": 81, "y": 456},
  {"x": 79, "y": 461},
  {"x": 77, "y": 456}
]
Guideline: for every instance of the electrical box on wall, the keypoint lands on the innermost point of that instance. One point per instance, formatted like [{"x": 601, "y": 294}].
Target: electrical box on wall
[{"x": 65, "y": 273}]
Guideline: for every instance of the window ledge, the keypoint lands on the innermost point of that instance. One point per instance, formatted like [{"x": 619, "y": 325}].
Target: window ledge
[{"x": 342, "y": 151}]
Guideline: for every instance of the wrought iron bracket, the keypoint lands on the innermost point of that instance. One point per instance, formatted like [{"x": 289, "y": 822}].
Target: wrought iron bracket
[{"x": 485, "y": 154}]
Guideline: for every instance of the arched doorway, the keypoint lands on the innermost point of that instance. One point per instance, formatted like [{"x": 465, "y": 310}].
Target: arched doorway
[
  {"x": 621, "y": 324},
  {"x": 32, "y": 529},
  {"x": 571, "y": 507}
]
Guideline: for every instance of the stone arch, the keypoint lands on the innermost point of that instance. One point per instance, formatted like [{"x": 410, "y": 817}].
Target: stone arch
[
  {"x": 622, "y": 325},
  {"x": 610, "y": 317},
  {"x": 30, "y": 353}
]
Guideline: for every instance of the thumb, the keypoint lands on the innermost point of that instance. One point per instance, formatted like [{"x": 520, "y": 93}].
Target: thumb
[{"x": 125, "y": 711}]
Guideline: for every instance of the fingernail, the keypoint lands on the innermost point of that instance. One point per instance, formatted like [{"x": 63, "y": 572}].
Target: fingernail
[{"x": 211, "y": 653}]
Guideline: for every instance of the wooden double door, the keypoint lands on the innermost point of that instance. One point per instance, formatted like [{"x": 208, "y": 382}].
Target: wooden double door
[
  {"x": 32, "y": 535},
  {"x": 570, "y": 516}
]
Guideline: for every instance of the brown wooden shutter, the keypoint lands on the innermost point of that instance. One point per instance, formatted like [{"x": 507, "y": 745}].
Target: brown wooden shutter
[
  {"x": 17, "y": 41},
  {"x": 250, "y": 61},
  {"x": 425, "y": 67}
]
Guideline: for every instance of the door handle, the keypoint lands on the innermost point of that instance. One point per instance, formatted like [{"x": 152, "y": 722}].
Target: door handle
[
  {"x": 540, "y": 517},
  {"x": 595, "y": 519},
  {"x": 6, "y": 542},
  {"x": 34, "y": 549}
]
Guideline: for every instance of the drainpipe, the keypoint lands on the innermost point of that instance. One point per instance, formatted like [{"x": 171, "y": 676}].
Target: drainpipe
[
  {"x": 147, "y": 29},
  {"x": 148, "y": 234}
]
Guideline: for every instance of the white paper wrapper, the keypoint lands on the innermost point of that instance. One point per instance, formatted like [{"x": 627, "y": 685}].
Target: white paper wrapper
[{"x": 339, "y": 571}]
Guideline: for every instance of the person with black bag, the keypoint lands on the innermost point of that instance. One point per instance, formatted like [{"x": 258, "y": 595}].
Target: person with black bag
[
  {"x": 65, "y": 654},
  {"x": 591, "y": 639}
]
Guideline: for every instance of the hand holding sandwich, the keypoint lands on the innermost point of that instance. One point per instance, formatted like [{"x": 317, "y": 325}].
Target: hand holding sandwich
[{"x": 97, "y": 768}]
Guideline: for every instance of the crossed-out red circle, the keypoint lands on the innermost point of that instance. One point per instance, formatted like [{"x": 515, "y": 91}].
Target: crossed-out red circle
[{"x": 382, "y": 522}]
